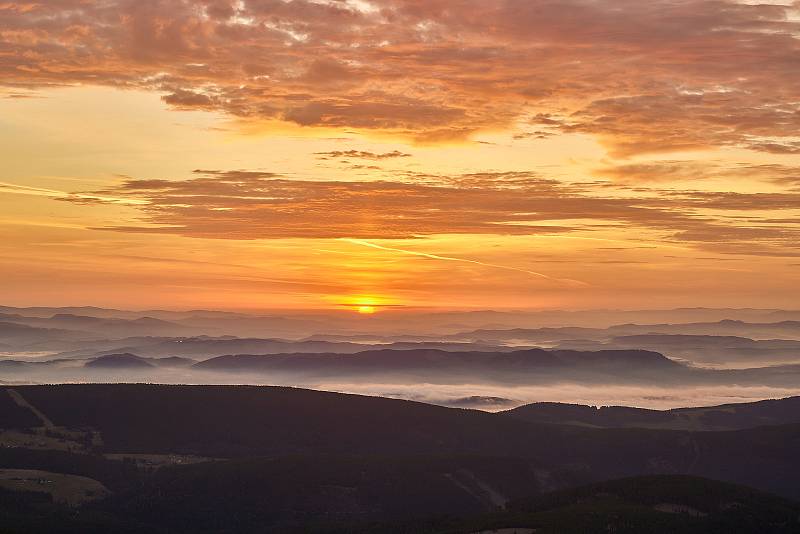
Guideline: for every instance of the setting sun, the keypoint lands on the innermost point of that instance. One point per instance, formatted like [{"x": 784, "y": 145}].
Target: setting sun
[{"x": 364, "y": 304}]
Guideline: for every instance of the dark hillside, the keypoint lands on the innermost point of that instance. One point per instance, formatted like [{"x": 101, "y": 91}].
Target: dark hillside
[
  {"x": 664, "y": 504},
  {"x": 246, "y": 421},
  {"x": 13, "y": 415},
  {"x": 724, "y": 417},
  {"x": 274, "y": 494},
  {"x": 659, "y": 504}
]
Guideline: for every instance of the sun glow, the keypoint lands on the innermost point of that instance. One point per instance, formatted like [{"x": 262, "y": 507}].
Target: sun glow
[{"x": 364, "y": 304}]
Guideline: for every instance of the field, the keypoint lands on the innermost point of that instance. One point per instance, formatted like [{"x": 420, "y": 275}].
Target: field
[{"x": 65, "y": 489}]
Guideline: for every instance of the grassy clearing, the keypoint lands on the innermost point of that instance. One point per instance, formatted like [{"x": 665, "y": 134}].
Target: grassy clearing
[{"x": 72, "y": 490}]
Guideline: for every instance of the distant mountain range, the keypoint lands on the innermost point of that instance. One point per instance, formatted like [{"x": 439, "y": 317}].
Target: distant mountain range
[
  {"x": 207, "y": 347},
  {"x": 514, "y": 366},
  {"x": 88, "y": 332},
  {"x": 131, "y": 361},
  {"x": 433, "y": 366},
  {"x": 529, "y": 366},
  {"x": 703, "y": 349},
  {"x": 783, "y": 329},
  {"x": 301, "y": 324}
]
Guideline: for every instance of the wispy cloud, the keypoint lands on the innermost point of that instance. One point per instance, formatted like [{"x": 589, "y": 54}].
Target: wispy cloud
[
  {"x": 562, "y": 281},
  {"x": 362, "y": 154},
  {"x": 17, "y": 189},
  {"x": 265, "y": 205}
]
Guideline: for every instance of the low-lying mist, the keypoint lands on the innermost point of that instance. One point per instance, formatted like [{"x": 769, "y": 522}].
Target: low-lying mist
[
  {"x": 474, "y": 394},
  {"x": 486, "y": 360}
]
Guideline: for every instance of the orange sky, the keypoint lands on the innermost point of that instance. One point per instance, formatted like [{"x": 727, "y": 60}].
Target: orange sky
[{"x": 354, "y": 153}]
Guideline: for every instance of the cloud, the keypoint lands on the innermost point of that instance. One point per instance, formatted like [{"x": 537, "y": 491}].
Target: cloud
[
  {"x": 77, "y": 198},
  {"x": 190, "y": 100},
  {"x": 566, "y": 282},
  {"x": 265, "y": 205},
  {"x": 362, "y": 154},
  {"x": 677, "y": 170},
  {"x": 643, "y": 77},
  {"x": 673, "y": 120},
  {"x": 660, "y": 171},
  {"x": 252, "y": 205}
]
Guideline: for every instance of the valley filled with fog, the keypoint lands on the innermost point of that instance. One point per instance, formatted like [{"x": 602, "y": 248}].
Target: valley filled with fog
[{"x": 485, "y": 360}]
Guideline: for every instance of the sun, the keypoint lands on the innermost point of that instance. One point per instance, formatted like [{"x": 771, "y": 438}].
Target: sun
[{"x": 363, "y": 304}]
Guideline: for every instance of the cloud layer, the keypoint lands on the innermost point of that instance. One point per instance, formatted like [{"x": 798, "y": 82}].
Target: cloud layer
[
  {"x": 262, "y": 205},
  {"x": 643, "y": 77}
]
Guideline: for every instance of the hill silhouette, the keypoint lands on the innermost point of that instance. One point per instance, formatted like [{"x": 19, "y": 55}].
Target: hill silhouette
[
  {"x": 498, "y": 364},
  {"x": 723, "y": 417},
  {"x": 246, "y": 458},
  {"x": 247, "y": 421},
  {"x": 119, "y": 361}
]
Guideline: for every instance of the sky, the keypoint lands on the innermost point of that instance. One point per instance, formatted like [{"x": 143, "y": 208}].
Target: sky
[{"x": 369, "y": 155}]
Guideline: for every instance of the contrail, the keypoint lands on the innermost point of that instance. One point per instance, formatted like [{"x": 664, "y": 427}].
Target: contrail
[
  {"x": 6, "y": 187},
  {"x": 565, "y": 281}
]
